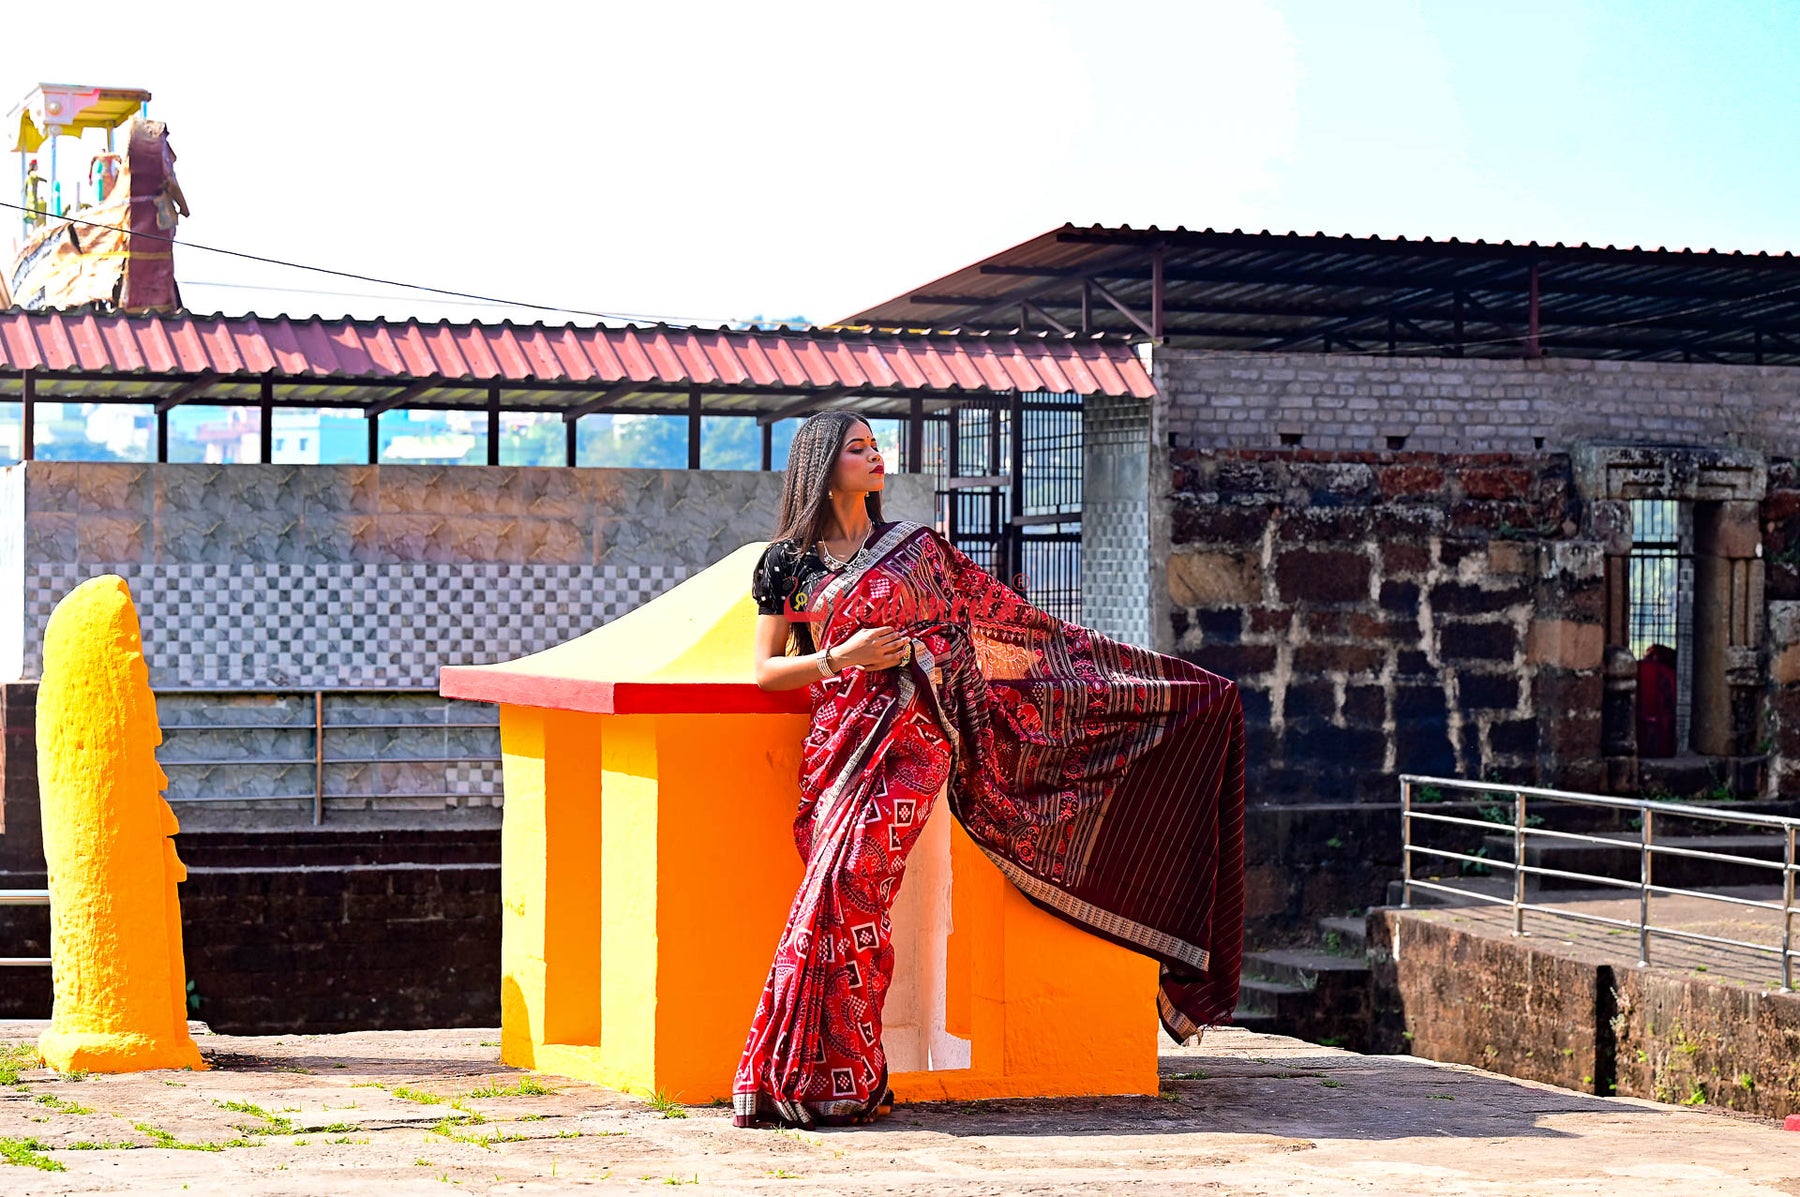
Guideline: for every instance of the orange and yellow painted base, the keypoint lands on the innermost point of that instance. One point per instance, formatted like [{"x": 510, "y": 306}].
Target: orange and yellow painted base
[{"x": 648, "y": 866}]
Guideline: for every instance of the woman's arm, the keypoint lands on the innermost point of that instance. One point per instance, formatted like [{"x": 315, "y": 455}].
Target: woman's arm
[
  {"x": 872, "y": 648},
  {"x": 775, "y": 670}
]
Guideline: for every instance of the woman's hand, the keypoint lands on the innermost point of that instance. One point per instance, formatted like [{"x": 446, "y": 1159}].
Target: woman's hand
[{"x": 871, "y": 648}]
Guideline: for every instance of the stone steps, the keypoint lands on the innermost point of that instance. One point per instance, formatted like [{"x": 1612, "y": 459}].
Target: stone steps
[{"x": 1318, "y": 992}]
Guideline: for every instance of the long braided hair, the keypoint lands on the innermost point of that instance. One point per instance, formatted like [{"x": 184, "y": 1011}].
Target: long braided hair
[{"x": 806, "y": 488}]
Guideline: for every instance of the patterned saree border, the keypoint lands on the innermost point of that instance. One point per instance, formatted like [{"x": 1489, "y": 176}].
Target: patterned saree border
[
  {"x": 847, "y": 579},
  {"x": 1158, "y": 943},
  {"x": 1181, "y": 1027}
]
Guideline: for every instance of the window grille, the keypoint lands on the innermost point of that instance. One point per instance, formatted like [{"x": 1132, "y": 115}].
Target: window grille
[{"x": 1655, "y": 578}]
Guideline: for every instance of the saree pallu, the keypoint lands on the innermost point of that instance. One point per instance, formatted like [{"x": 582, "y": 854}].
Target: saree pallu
[{"x": 1106, "y": 782}]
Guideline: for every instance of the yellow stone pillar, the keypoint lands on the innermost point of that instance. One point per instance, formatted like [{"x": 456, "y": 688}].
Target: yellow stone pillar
[
  {"x": 648, "y": 864},
  {"x": 115, "y": 919}
]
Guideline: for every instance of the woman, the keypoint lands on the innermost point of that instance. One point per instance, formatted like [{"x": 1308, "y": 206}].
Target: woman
[{"x": 1105, "y": 782}]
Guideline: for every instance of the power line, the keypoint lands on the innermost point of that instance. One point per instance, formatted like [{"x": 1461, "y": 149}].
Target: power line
[
  {"x": 346, "y": 274},
  {"x": 637, "y": 317}
]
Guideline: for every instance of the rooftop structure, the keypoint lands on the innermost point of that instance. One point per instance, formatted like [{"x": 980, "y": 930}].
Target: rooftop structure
[{"x": 1289, "y": 292}]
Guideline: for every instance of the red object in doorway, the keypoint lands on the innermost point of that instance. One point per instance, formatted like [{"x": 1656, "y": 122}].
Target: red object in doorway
[{"x": 1656, "y": 702}]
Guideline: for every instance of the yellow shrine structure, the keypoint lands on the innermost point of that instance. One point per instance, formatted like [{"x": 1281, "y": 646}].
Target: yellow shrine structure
[{"x": 648, "y": 866}]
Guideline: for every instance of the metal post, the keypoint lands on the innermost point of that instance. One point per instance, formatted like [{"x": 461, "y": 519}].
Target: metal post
[
  {"x": 569, "y": 430},
  {"x": 1156, "y": 296},
  {"x": 28, "y": 419},
  {"x": 1518, "y": 864},
  {"x": 1532, "y": 349},
  {"x": 693, "y": 428},
  {"x": 493, "y": 423},
  {"x": 1405, "y": 844},
  {"x": 162, "y": 436},
  {"x": 1787, "y": 917},
  {"x": 953, "y": 458},
  {"x": 265, "y": 434},
  {"x": 374, "y": 439},
  {"x": 1015, "y": 534},
  {"x": 768, "y": 447},
  {"x": 915, "y": 434},
  {"x": 318, "y": 757},
  {"x": 1087, "y": 305},
  {"x": 1646, "y": 831}
]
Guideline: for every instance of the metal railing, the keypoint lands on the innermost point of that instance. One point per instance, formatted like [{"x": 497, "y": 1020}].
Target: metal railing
[
  {"x": 24, "y": 897},
  {"x": 319, "y": 728},
  {"x": 1648, "y": 812}
]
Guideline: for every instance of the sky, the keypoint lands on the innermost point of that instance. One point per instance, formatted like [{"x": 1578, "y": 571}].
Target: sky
[{"x": 704, "y": 161}]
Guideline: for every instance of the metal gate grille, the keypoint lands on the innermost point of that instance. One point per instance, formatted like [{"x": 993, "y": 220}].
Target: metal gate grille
[{"x": 1009, "y": 493}]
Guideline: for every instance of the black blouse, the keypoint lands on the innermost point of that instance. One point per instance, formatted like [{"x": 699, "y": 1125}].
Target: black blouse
[{"x": 787, "y": 581}]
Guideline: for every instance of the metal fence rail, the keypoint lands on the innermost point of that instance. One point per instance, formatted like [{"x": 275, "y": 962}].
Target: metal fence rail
[
  {"x": 319, "y": 729},
  {"x": 1645, "y": 886},
  {"x": 24, "y": 897}
]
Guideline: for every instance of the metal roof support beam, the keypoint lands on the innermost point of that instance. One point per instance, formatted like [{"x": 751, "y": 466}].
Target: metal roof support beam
[
  {"x": 693, "y": 428},
  {"x": 1124, "y": 311},
  {"x": 1156, "y": 295},
  {"x": 1025, "y": 305},
  {"x": 265, "y": 427},
  {"x": 28, "y": 418},
  {"x": 184, "y": 392},
  {"x": 1326, "y": 331},
  {"x": 571, "y": 445},
  {"x": 768, "y": 446},
  {"x": 915, "y": 434},
  {"x": 401, "y": 398},
  {"x": 493, "y": 426},
  {"x": 1533, "y": 349},
  {"x": 606, "y": 398},
  {"x": 802, "y": 406}
]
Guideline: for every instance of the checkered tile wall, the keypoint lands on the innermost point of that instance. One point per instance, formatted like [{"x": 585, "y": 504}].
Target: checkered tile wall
[{"x": 1115, "y": 519}]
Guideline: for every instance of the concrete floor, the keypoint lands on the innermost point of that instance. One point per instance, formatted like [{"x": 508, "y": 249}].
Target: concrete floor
[{"x": 1243, "y": 1113}]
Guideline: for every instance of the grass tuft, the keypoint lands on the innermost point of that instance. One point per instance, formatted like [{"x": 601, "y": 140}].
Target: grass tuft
[
  {"x": 527, "y": 1086},
  {"x": 424, "y": 1097},
  {"x": 61, "y": 1106},
  {"x": 273, "y": 1124},
  {"x": 668, "y": 1107},
  {"x": 24, "y": 1152}
]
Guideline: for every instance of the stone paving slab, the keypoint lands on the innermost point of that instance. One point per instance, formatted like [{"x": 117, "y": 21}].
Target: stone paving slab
[{"x": 435, "y": 1112}]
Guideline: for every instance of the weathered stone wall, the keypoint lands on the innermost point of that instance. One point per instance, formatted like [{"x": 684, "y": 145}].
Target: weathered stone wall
[
  {"x": 1781, "y": 557},
  {"x": 1467, "y": 405},
  {"x": 1530, "y": 1008},
  {"x": 1388, "y": 613}
]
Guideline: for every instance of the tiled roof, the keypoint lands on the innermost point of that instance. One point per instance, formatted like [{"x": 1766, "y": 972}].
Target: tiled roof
[{"x": 344, "y": 360}]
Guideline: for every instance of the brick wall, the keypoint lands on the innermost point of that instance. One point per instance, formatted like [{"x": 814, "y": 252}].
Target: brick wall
[
  {"x": 1388, "y": 613},
  {"x": 1466, "y": 405}
]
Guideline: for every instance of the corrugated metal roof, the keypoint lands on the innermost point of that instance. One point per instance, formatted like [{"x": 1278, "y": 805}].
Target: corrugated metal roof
[
  {"x": 319, "y": 361},
  {"x": 1266, "y": 292}
]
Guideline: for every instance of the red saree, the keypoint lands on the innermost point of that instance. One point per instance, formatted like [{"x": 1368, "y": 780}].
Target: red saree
[{"x": 1105, "y": 781}]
